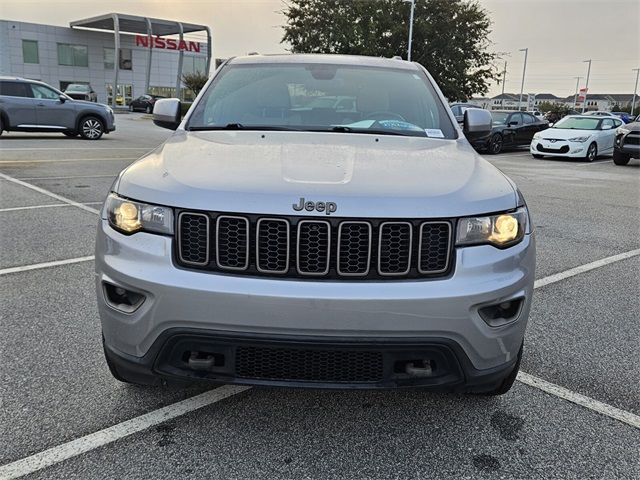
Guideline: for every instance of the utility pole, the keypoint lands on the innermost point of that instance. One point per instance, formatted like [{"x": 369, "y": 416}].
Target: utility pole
[
  {"x": 586, "y": 86},
  {"x": 575, "y": 98},
  {"x": 413, "y": 6},
  {"x": 524, "y": 69},
  {"x": 504, "y": 79},
  {"x": 635, "y": 90}
]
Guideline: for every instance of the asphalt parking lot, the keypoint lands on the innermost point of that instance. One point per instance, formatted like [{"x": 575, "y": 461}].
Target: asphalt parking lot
[{"x": 574, "y": 414}]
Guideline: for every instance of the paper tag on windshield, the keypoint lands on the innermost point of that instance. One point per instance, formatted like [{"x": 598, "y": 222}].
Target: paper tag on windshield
[{"x": 434, "y": 133}]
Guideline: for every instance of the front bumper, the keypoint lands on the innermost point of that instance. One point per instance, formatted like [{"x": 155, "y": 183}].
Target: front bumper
[
  {"x": 441, "y": 312},
  {"x": 560, "y": 148},
  {"x": 628, "y": 144}
]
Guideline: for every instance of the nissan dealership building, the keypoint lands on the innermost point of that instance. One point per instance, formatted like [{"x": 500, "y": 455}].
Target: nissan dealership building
[{"x": 152, "y": 55}]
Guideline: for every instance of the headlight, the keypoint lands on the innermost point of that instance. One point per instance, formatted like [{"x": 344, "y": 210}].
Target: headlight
[
  {"x": 501, "y": 230},
  {"x": 579, "y": 139},
  {"x": 128, "y": 216},
  {"x": 110, "y": 110},
  {"x": 622, "y": 131},
  {"x": 536, "y": 135}
]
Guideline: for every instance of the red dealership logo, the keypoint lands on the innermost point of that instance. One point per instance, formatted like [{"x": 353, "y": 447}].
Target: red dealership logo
[{"x": 167, "y": 44}]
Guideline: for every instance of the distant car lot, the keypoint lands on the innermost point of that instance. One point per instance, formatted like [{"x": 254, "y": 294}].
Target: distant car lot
[{"x": 57, "y": 389}]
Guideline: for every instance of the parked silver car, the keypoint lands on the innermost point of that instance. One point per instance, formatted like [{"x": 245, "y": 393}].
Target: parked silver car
[
  {"x": 31, "y": 106},
  {"x": 269, "y": 242}
]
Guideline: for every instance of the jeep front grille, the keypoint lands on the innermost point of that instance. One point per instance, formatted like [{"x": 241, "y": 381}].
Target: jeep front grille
[{"x": 310, "y": 247}]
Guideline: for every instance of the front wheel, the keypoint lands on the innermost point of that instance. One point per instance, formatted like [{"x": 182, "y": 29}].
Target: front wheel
[
  {"x": 149, "y": 109},
  {"x": 495, "y": 144},
  {"x": 91, "y": 128},
  {"x": 592, "y": 153},
  {"x": 620, "y": 158},
  {"x": 131, "y": 108}
]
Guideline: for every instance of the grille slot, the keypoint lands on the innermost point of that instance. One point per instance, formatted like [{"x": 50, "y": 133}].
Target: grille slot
[
  {"x": 309, "y": 365},
  {"x": 272, "y": 245},
  {"x": 433, "y": 252},
  {"x": 354, "y": 248},
  {"x": 394, "y": 248},
  {"x": 193, "y": 238},
  {"x": 314, "y": 246},
  {"x": 232, "y": 242}
]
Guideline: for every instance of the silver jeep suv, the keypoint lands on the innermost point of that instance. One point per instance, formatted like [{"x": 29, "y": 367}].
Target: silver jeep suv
[
  {"x": 277, "y": 239},
  {"x": 32, "y": 106}
]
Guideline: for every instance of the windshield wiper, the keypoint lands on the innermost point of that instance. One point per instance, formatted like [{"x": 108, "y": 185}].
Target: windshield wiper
[
  {"x": 369, "y": 131},
  {"x": 239, "y": 126}
]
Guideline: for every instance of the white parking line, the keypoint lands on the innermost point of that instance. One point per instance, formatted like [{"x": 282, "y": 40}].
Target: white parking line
[
  {"x": 37, "y": 266},
  {"x": 584, "y": 268},
  {"x": 50, "y": 194},
  {"x": 587, "y": 402},
  {"x": 75, "y": 149},
  {"x": 70, "y": 177},
  {"x": 111, "y": 434},
  {"x": 63, "y": 160},
  {"x": 53, "y": 205}
]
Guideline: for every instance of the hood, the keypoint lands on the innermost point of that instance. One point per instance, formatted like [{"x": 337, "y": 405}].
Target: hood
[
  {"x": 564, "y": 134},
  {"x": 364, "y": 175}
]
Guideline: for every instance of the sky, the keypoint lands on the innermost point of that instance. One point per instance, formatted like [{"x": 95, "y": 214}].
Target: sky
[{"x": 560, "y": 34}]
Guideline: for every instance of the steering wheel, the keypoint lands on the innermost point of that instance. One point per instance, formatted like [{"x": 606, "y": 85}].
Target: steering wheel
[{"x": 382, "y": 115}]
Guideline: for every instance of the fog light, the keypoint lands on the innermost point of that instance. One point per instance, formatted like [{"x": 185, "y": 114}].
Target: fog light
[
  {"x": 501, "y": 313},
  {"x": 121, "y": 299}
]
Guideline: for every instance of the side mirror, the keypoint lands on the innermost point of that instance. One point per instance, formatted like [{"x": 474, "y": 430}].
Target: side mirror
[
  {"x": 166, "y": 113},
  {"x": 62, "y": 98},
  {"x": 477, "y": 123}
]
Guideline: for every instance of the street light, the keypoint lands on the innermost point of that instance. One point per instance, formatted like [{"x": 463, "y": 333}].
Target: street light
[
  {"x": 633, "y": 102},
  {"x": 575, "y": 98},
  {"x": 413, "y": 6},
  {"x": 504, "y": 79},
  {"x": 586, "y": 86},
  {"x": 524, "y": 69}
]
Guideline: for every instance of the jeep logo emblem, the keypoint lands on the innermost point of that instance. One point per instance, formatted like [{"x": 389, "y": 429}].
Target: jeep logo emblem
[{"x": 327, "y": 207}]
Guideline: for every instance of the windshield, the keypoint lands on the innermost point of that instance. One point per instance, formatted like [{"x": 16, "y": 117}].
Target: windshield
[
  {"x": 499, "y": 118},
  {"x": 323, "y": 97},
  {"x": 577, "y": 123},
  {"x": 77, "y": 88}
]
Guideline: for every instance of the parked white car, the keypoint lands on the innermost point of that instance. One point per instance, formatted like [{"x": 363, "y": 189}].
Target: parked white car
[
  {"x": 577, "y": 136},
  {"x": 600, "y": 113}
]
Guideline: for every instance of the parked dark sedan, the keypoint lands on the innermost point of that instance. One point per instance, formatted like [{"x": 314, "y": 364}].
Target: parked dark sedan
[
  {"x": 144, "y": 103},
  {"x": 510, "y": 129}
]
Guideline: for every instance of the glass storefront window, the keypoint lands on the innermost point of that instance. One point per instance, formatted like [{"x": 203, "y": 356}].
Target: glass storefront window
[
  {"x": 108, "y": 57},
  {"x": 123, "y": 94},
  {"x": 125, "y": 61}
]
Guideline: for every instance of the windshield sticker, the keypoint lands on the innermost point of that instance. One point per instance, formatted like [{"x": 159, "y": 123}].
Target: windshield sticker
[{"x": 434, "y": 133}]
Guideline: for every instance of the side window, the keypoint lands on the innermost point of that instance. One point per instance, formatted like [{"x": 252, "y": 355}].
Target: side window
[
  {"x": 40, "y": 91},
  {"x": 15, "y": 89},
  {"x": 528, "y": 119},
  {"x": 456, "y": 110},
  {"x": 515, "y": 119},
  {"x": 607, "y": 122},
  {"x": 617, "y": 123}
]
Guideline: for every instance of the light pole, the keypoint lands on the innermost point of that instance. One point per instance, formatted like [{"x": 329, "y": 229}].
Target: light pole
[
  {"x": 575, "y": 98},
  {"x": 504, "y": 79},
  {"x": 413, "y": 6},
  {"x": 635, "y": 89},
  {"x": 524, "y": 69},
  {"x": 586, "y": 85}
]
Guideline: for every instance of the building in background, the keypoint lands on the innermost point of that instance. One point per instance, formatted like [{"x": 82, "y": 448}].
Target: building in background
[{"x": 151, "y": 55}]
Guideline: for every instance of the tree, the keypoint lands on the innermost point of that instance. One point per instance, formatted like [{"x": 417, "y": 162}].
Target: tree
[
  {"x": 194, "y": 81},
  {"x": 450, "y": 37}
]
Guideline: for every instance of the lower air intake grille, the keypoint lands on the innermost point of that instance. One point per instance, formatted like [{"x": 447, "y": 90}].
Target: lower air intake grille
[{"x": 309, "y": 365}]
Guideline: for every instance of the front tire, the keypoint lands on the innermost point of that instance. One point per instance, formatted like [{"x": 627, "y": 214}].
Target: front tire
[
  {"x": 91, "y": 128},
  {"x": 592, "y": 152},
  {"x": 131, "y": 108},
  {"x": 620, "y": 158},
  {"x": 495, "y": 144},
  {"x": 149, "y": 109}
]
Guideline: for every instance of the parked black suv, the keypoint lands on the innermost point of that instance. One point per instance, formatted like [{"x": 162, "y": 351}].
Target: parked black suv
[{"x": 32, "y": 106}]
